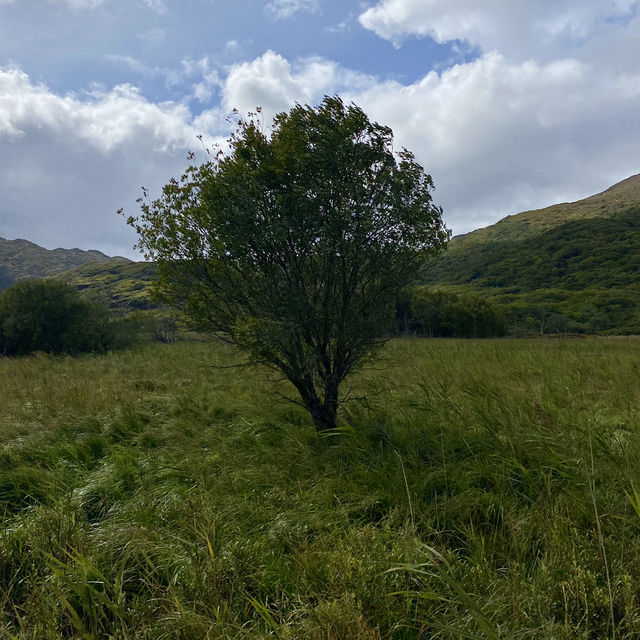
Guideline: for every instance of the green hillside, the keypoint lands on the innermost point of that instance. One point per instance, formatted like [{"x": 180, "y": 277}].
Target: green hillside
[
  {"x": 529, "y": 224},
  {"x": 577, "y": 254},
  {"x": 127, "y": 285},
  {"x": 21, "y": 259},
  {"x": 572, "y": 267}
]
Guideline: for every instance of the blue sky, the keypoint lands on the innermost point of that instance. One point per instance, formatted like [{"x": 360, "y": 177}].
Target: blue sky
[{"x": 509, "y": 104}]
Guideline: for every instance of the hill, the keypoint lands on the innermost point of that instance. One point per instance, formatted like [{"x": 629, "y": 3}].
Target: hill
[
  {"x": 575, "y": 264},
  {"x": 127, "y": 285},
  {"x": 21, "y": 259},
  {"x": 529, "y": 224}
]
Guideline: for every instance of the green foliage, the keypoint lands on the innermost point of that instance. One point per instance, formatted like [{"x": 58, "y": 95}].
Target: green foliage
[
  {"x": 485, "y": 489},
  {"x": 295, "y": 245},
  {"x": 605, "y": 311},
  {"x": 439, "y": 313},
  {"x": 570, "y": 268},
  {"x": 50, "y": 316}
]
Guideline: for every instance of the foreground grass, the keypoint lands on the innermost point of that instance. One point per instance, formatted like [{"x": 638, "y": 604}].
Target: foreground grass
[{"x": 476, "y": 490}]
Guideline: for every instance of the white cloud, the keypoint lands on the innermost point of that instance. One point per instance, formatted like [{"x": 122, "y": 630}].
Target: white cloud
[
  {"x": 517, "y": 28},
  {"x": 547, "y": 112},
  {"x": 281, "y": 9},
  {"x": 497, "y": 136},
  {"x": 79, "y": 4},
  {"x": 196, "y": 76},
  {"x": 209, "y": 78},
  {"x": 273, "y": 83},
  {"x": 500, "y": 137},
  {"x": 152, "y": 38},
  {"x": 339, "y": 29},
  {"x": 72, "y": 160},
  {"x": 156, "y": 5}
]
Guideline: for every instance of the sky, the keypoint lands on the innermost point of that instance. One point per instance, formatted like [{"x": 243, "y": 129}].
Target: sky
[{"x": 508, "y": 104}]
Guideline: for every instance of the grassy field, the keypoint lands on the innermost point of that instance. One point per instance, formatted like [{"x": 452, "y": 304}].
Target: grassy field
[{"x": 478, "y": 489}]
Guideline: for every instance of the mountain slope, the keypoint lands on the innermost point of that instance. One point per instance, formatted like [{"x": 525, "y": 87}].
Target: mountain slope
[
  {"x": 527, "y": 224},
  {"x": 571, "y": 267},
  {"x": 21, "y": 259},
  {"x": 555, "y": 246},
  {"x": 127, "y": 285}
]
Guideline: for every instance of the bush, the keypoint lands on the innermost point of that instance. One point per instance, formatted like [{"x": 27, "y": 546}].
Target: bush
[
  {"x": 444, "y": 314},
  {"x": 51, "y": 316}
]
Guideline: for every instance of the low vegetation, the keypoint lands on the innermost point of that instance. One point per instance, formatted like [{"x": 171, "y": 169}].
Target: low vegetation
[
  {"x": 51, "y": 316},
  {"x": 569, "y": 268},
  {"x": 127, "y": 285},
  {"x": 54, "y": 317},
  {"x": 475, "y": 489},
  {"x": 424, "y": 311}
]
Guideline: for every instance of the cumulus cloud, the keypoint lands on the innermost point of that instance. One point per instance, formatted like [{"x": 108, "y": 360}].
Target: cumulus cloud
[
  {"x": 273, "y": 83},
  {"x": 209, "y": 78},
  {"x": 497, "y": 136},
  {"x": 196, "y": 77},
  {"x": 500, "y": 137},
  {"x": 547, "y": 112},
  {"x": 517, "y": 28},
  {"x": 500, "y": 134},
  {"x": 74, "y": 159},
  {"x": 103, "y": 120},
  {"x": 281, "y": 9}
]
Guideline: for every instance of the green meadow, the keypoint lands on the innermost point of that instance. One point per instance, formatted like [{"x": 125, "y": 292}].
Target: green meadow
[{"x": 475, "y": 489}]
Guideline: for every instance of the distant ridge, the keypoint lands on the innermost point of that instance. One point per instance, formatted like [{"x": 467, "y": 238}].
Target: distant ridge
[
  {"x": 20, "y": 259},
  {"x": 527, "y": 224},
  {"x": 474, "y": 256}
]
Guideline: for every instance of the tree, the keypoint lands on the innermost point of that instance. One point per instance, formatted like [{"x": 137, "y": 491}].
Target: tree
[
  {"x": 50, "y": 315},
  {"x": 295, "y": 245}
]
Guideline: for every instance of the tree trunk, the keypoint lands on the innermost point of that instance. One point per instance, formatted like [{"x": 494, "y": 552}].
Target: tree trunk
[
  {"x": 324, "y": 414},
  {"x": 324, "y": 418}
]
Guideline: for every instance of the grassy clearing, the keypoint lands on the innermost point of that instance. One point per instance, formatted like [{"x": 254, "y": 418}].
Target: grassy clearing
[{"x": 479, "y": 490}]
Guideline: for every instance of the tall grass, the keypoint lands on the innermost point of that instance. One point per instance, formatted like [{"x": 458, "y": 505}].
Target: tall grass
[{"x": 475, "y": 490}]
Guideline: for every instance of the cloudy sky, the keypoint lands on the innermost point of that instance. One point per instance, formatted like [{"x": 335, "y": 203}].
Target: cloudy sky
[{"x": 509, "y": 104}]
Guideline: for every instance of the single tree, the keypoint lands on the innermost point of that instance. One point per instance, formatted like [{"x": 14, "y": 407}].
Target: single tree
[{"x": 295, "y": 244}]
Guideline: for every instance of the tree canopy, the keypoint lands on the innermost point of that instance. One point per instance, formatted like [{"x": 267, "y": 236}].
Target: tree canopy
[
  {"x": 51, "y": 316},
  {"x": 295, "y": 243}
]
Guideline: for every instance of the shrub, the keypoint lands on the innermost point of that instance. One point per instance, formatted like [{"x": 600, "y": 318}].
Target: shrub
[
  {"x": 444, "y": 314},
  {"x": 51, "y": 316}
]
